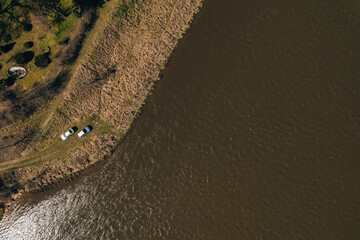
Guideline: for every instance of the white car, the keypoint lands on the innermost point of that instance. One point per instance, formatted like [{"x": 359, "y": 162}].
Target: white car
[
  {"x": 67, "y": 134},
  {"x": 84, "y": 131}
]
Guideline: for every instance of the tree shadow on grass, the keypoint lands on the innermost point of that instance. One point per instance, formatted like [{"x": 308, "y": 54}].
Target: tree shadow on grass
[
  {"x": 58, "y": 83},
  {"x": 27, "y": 27},
  {"x": 89, "y": 3},
  {"x": 29, "y": 44},
  {"x": 10, "y": 81},
  {"x": 8, "y": 47},
  {"x": 6, "y": 83},
  {"x": 29, "y": 55}
]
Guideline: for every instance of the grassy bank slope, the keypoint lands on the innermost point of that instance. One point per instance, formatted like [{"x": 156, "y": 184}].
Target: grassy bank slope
[{"x": 118, "y": 65}]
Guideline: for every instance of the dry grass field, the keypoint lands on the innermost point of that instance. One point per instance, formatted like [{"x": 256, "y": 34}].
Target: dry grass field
[{"x": 118, "y": 65}]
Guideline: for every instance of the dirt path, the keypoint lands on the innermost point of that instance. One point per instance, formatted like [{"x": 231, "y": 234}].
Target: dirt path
[{"x": 10, "y": 164}]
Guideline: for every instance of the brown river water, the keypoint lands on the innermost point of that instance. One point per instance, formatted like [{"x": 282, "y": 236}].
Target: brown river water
[{"x": 252, "y": 133}]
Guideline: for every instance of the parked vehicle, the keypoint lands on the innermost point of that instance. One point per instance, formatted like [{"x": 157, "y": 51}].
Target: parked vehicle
[
  {"x": 68, "y": 133},
  {"x": 85, "y": 131}
]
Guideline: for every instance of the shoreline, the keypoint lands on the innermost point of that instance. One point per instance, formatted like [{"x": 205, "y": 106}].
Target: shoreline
[{"x": 101, "y": 92}]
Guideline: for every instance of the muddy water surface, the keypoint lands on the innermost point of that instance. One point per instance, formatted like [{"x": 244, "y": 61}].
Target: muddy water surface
[{"x": 252, "y": 133}]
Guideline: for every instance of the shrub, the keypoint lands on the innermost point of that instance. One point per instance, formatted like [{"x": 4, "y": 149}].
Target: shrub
[
  {"x": 77, "y": 11},
  {"x": 25, "y": 57},
  {"x": 27, "y": 27},
  {"x": 6, "y": 82},
  {"x": 20, "y": 58},
  {"x": 8, "y": 47},
  {"x": 66, "y": 41},
  {"x": 42, "y": 60},
  {"x": 29, "y": 55},
  {"x": 7, "y": 37},
  {"x": 88, "y": 3},
  {"x": 29, "y": 44}
]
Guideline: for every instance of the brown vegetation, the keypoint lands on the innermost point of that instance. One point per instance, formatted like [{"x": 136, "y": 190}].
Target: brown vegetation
[{"x": 118, "y": 65}]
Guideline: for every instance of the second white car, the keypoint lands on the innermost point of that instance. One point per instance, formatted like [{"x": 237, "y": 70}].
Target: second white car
[{"x": 84, "y": 131}]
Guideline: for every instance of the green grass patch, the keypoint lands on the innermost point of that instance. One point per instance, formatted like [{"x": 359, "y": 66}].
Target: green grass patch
[
  {"x": 56, "y": 148},
  {"x": 67, "y": 25},
  {"x": 66, "y": 3},
  {"x": 99, "y": 125},
  {"x": 124, "y": 9}
]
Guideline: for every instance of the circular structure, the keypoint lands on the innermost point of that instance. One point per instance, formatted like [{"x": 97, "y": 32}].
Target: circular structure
[{"x": 17, "y": 72}]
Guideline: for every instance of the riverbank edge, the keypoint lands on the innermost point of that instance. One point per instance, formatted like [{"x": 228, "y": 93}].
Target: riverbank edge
[{"x": 107, "y": 153}]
